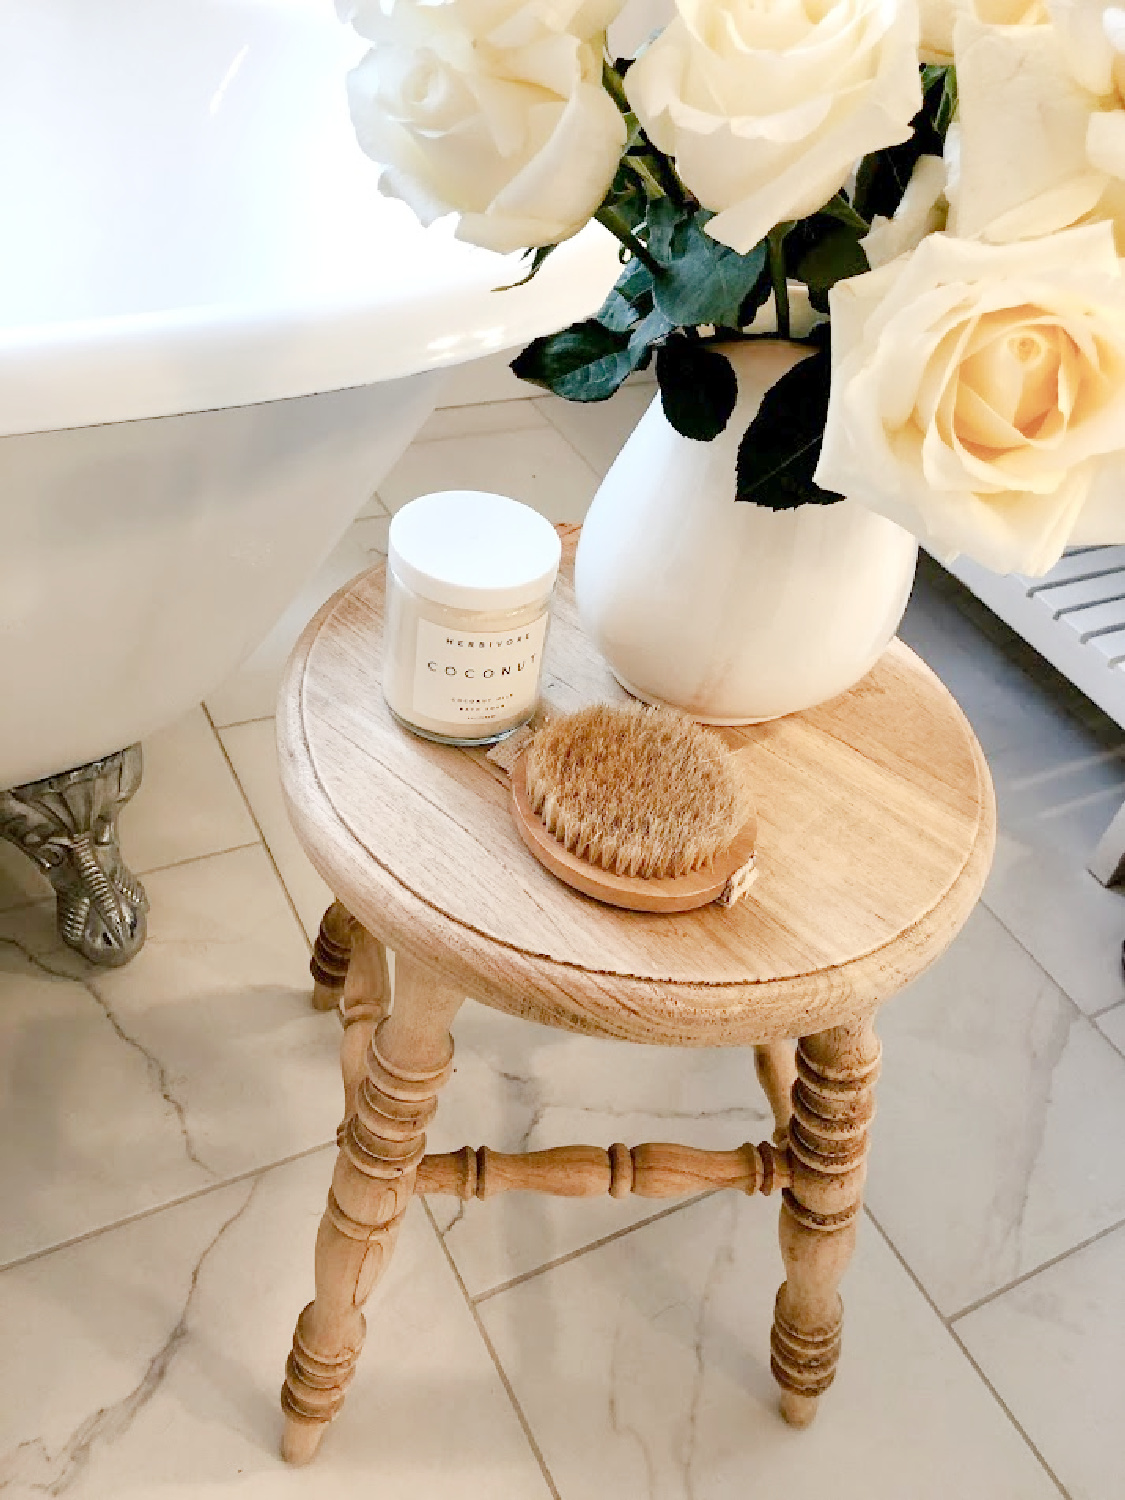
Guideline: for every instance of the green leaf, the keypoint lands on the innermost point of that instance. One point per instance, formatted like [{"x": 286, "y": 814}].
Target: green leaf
[
  {"x": 586, "y": 362},
  {"x": 538, "y": 256},
  {"x": 947, "y": 108},
  {"x": 617, "y": 313},
  {"x": 839, "y": 208},
  {"x": 626, "y": 197},
  {"x": 635, "y": 280},
  {"x": 698, "y": 388},
  {"x": 704, "y": 281},
  {"x": 833, "y": 258},
  {"x": 653, "y": 327},
  {"x": 781, "y": 448},
  {"x": 663, "y": 217}
]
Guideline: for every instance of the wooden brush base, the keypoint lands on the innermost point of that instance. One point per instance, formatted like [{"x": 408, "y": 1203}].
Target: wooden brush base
[{"x": 675, "y": 893}]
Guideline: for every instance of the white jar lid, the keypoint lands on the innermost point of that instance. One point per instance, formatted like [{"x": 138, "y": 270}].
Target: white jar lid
[{"x": 473, "y": 550}]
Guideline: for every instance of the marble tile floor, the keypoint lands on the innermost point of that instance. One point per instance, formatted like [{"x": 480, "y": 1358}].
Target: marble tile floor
[{"x": 166, "y": 1130}]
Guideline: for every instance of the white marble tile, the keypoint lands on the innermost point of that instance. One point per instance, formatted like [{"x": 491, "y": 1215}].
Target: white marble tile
[
  {"x": 643, "y": 1370},
  {"x": 535, "y": 465},
  {"x": 998, "y": 1107},
  {"x": 1059, "y": 770},
  {"x": 150, "y": 1360},
  {"x": 198, "y": 1061},
  {"x": 1052, "y": 1348},
  {"x": 480, "y": 419},
  {"x": 188, "y": 804},
  {"x": 1112, "y": 1025},
  {"x": 253, "y": 752},
  {"x": 20, "y": 881},
  {"x": 1057, "y": 790},
  {"x": 251, "y": 692},
  {"x": 521, "y": 1087},
  {"x": 598, "y": 429}
]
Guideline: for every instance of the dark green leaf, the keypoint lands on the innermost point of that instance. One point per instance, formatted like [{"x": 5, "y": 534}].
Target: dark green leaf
[
  {"x": 617, "y": 313},
  {"x": 833, "y": 258},
  {"x": 634, "y": 280},
  {"x": 781, "y": 448},
  {"x": 652, "y": 327},
  {"x": 757, "y": 297},
  {"x": 704, "y": 281},
  {"x": 698, "y": 388},
  {"x": 882, "y": 177},
  {"x": 586, "y": 362}
]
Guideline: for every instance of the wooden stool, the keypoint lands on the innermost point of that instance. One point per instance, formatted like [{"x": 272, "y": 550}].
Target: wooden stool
[{"x": 876, "y": 828}]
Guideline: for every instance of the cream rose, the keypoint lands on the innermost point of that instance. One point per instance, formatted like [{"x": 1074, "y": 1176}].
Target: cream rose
[
  {"x": 940, "y": 16},
  {"x": 922, "y": 210},
  {"x": 766, "y": 105},
  {"x": 978, "y": 394},
  {"x": 1042, "y": 114},
  {"x": 490, "y": 109}
]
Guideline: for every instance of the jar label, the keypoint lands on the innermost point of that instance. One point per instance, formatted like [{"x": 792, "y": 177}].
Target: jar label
[{"x": 477, "y": 678}]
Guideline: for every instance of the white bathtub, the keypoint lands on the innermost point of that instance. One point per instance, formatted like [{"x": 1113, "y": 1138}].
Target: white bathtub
[{"x": 215, "y": 339}]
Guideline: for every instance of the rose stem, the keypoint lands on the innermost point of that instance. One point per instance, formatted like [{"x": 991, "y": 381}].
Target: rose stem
[
  {"x": 618, "y": 227},
  {"x": 774, "y": 242}
]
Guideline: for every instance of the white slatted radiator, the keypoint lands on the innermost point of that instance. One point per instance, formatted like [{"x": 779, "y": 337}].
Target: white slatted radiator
[{"x": 1075, "y": 617}]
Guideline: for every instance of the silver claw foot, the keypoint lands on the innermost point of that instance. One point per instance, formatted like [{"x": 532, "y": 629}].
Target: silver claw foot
[{"x": 68, "y": 825}]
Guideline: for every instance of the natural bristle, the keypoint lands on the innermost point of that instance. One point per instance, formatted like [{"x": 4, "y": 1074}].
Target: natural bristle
[{"x": 636, "y": 791}]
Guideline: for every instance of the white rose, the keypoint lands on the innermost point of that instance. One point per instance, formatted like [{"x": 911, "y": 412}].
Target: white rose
[
  {"x": 490, "y": 109},
  {"x": 922, "y": 210},
  {"x": 766, "y": 105},
  {"x": 940, "y": 16},
  {"x": 978, "y": 394},
  {"x": 1042, "y": 114}
]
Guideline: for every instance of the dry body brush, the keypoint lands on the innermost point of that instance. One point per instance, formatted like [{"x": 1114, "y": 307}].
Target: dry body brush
[{"x": 637, "y": 791}]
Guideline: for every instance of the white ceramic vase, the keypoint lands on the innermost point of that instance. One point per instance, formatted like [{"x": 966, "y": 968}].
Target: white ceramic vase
[{"x": 726, "y": 610}]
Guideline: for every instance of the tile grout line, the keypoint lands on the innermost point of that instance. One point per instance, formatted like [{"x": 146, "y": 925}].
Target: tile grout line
[
  {"x": 1047, "y": 1265},
  {"x": 194, "y": 859},
  {"x": 606, "y": 1239},
  {"x": 159, "y": 1208},
  {"x": 173, "y": 864},
  {"x": 1107, "y": 1038},
  {"x": 595, "y": 469},
  {"x": 261, "y": 835},
  {"x": 236, "y": 723},
  {"x": 1096, "y": 1015},
  {"x": 1085, "y": 1014},
  {"x": 956, "y": 1337},
  {"x": 502, "y": 1374}
]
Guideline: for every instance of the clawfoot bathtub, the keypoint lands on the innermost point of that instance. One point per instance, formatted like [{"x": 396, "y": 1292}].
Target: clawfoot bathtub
[{"x": 215, "y": 340}]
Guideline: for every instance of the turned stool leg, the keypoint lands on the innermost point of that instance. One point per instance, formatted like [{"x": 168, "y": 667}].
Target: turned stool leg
[
  {"x": 366, "y": 1002},
  {"x": 776, "y": 1068},
  {"x": 331, "y": 954},
  {"x": 409, "y": 1057},
  {"x": 833, "y": 1102}
]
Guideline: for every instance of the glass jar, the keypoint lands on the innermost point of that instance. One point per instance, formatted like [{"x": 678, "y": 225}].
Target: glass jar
[{"x": 469, "y": 582}]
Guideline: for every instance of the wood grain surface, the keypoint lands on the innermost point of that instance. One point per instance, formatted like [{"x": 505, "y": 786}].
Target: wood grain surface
[{"x": 875, "y": 832}]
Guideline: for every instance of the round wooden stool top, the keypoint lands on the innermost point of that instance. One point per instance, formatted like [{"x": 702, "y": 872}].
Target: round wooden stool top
[{"x": 876, "y": 829}]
